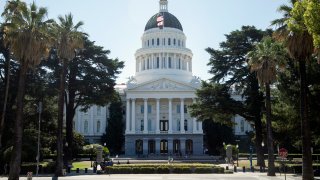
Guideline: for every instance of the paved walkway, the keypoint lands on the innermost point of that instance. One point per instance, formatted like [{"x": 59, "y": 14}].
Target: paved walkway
[{"x": 235, "y": 176}]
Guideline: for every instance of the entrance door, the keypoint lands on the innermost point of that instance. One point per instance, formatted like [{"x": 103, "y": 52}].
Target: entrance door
[
  {"x": 176, "y": 146},
  {"x": 151, "y": 147},
  {"x": 164, "y": 146}
]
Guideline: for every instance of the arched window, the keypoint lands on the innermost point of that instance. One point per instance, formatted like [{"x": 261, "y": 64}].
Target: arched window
[
  {"x": 152, "y": 42},
  {"x": 139, "y": 146},
  {"x": 86, "y": 128},
  {"x": 148, "y": 43},
  {"x": 174, "y": 42},
  {"x": 189, "y": 146},
  {"x": 169, "y": 42},
  {"x": 158, "y": 41},
  {"x": 176, "y": 147},
  {"x": 163, "y": 146},
  {"x": 178, "y": 42}
]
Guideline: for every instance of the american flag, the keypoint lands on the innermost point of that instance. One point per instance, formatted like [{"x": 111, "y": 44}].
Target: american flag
[{"x": 160, "y": 21}]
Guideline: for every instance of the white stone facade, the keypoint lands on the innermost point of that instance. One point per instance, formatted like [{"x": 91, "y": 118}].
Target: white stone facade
[{"x": 157, "y": 97}]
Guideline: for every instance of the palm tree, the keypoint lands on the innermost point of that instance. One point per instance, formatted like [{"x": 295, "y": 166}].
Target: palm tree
[
  {"x": 69, "y": 38},
  {"x": 300, "y": 48},
  {"x": 26, "y": 34},
  {"x": 264, "y": 60}
]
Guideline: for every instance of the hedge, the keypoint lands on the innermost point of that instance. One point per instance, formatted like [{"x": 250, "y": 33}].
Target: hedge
[
  {"x": 163, "y": 170},
  {"x": 181, "y": 170},
  {"x": 203, "y": 170}
]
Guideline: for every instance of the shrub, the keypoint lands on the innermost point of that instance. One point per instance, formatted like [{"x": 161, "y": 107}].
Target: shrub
[
  {"x": 143, "y": 170},
  {"x": 181, "y": 170},
  {"x": 163, "y": 170},
  {"x": 203, "y": 170},
  {"x": 118, "y": 170}
]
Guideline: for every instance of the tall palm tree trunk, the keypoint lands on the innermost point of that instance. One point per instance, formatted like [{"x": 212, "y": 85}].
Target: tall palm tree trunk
[
  {"x": 59, "y": 165},
  {"x": 4, "y": 109},
  {"x": 307, "y": 170},
  {"x": 18, "y": 126},
  {"x": 271, "y": 167}
]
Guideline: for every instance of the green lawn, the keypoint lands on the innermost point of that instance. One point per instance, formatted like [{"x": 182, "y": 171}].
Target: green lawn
[{"x": 81, "y": 165}]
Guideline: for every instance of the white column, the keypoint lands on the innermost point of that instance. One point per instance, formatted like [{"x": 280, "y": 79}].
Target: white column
[
  {"x": 170, "y": 115},
  {"x": 133, "y": 116},
  {"x": 158, "y": 117},
  {"x": 194, "y": 120},
  {"x": 182, "y": 116},
  {"x": 91, "y": 129},
  {"x": 145, "y": 117},
  {"x": 200, "y": 127},
  {"x": 128, "y": 116}
]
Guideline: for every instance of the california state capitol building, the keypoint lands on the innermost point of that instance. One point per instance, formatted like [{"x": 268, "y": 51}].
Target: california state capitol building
[{"x": 156, "y": 98}]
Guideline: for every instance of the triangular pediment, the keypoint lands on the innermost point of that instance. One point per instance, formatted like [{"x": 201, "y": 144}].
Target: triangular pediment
[{"x": 163, "y": 84}]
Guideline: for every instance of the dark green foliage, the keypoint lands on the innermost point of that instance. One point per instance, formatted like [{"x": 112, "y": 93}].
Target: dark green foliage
[
  {"x": 163, "y": 170},
  {"x": 203, "y": 170},
  {"x": 114, "y": 137},
  {"x": 143, "y": 170},
  {"x": 215, "y": 103},
  {"x": 181, "y": 170},
  {"x": 214, "y": 136}
]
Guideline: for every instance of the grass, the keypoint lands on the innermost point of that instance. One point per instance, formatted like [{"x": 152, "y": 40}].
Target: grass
[{"x": 81, "y": 165}]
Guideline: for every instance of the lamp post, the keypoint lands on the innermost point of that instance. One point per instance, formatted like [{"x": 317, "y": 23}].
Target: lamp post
[
  {"x": 91, "y": 149},
  {"x": 261, "y": 166},
  {"x": 237, "y": 140},
  {"x": 250, "y": 157},
  {"x": 39, "y": 109}
]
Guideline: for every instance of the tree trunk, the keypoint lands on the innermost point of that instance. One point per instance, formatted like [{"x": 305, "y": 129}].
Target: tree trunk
[
  {"x": 258, "y": 141},
  {"x": 271, "y": 167},
  {"x": 59, "y": 165},
  {"x": 4, "y": 109},
  {"x": 255, "y": 109},
  {"x": 70, "y": 110},
  {"x": 307, "y": 169},
  {"x": 18, "y": 126}
]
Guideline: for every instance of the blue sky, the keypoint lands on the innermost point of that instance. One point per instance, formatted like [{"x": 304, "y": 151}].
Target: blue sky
[{"x": 119, "y": 24}]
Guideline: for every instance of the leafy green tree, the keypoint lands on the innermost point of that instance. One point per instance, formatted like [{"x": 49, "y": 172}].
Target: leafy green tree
[
  {"x": 68, "y": 39},
  {"x": 214, "y": 102},
  {"x": 114, "y": 137},
  {"x": 299, "y": 44},
  {"x": 26, "y": 35},
  {"x": 229, "y": 67},
  {"x": 6, "y": 54},
  {"x": 264, "y": 60}
]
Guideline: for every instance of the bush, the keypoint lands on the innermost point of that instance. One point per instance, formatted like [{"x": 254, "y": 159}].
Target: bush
[
  {"x": 143, "y": 170},
  {"x": 181, "y": 170},
  {"x": 163, "y": 170},
  {"x": 118, "y": 170},
  {"x": 46, "y": 168},
  {"x": 203, "y": 170}
]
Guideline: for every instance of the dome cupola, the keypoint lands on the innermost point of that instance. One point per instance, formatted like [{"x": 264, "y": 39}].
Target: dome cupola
[{"x": 169, "y": 20}]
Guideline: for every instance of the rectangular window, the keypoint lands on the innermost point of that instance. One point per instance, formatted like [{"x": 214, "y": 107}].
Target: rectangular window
[
  {"x": 149, "y": 109},
  {"x": 152, "y": 42},
  {"x": 185, "y": 109},
  {"x": 178, "y": 43},
  {"x": 148, "y": 43},
  {"x": 142, "y": 109},
  {"x": 169, "y": 41},
  {"x": 141, "y": 125},
  {"x": 169, "y": 63},
  {"x": 174, "y": 41},
  {"x": 158, "y": 41},
  {"x": 242, "y": 125},
  {"x": 158, "y": 62},
  {"x": 164, "y": 42},
  {"x": 164, "y": 125},
  {"x": 178, "y": 109}
]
